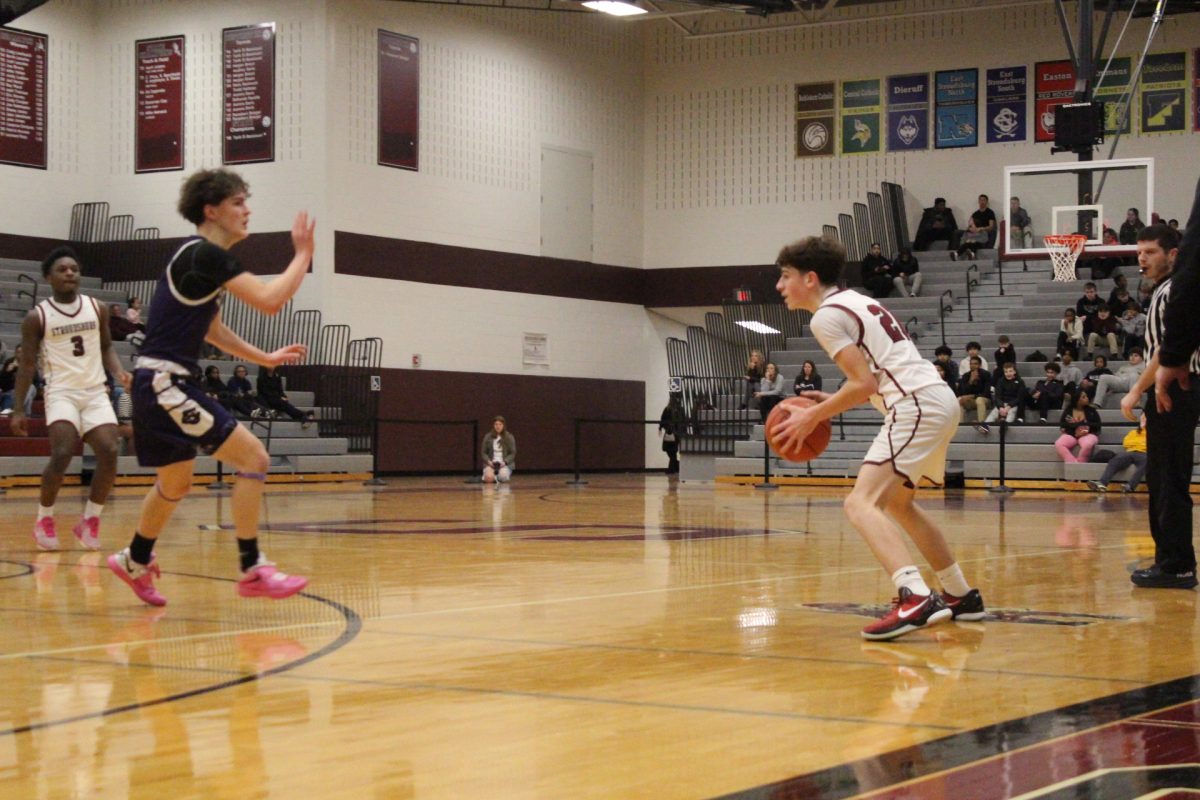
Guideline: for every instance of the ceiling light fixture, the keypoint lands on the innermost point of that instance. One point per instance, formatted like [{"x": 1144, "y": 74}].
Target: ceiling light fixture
[{"x": 615, "y": 7}]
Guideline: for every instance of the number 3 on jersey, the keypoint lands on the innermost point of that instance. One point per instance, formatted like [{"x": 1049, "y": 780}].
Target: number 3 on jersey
[
  {"x": 890, "y": 326},
  {"x": 78, "y": 342}
]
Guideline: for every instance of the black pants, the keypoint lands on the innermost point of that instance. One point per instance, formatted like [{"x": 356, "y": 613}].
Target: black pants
[
  {"x": 1169, "y": 444},
  {"x": 281, "y": 405},
  {"x": 672, "y": 451}
]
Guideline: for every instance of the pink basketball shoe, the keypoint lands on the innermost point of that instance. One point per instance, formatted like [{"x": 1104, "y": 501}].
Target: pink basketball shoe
[
  {"x": 88, "y": 532},
  {"x": 139, "y": 578},
  {"x": 264, "y": 580},
  {"x": 45, "y": 535}
]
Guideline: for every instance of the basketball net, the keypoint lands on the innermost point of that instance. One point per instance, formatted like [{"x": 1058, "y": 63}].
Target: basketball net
[{"x": 1064, "y": 250}]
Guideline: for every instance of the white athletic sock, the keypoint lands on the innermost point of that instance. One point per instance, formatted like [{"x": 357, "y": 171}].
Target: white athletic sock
[
  {"x": 92, "y": 510},
  {"x": 910, "y": 578},
  {"x": 45, "y": 511},
  {"x": 952, "y": 580}
]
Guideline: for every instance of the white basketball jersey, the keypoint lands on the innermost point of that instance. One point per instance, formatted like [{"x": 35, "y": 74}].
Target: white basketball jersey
[
  {"x": 71, "y": 357},
  {"x": 849, "y": 318}
]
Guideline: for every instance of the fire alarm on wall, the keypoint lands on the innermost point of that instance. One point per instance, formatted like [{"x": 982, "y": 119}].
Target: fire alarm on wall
[{"x": 416, "y": 360}]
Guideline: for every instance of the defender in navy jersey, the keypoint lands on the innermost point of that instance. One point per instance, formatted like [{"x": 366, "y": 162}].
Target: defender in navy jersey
[
  {"x": 172, "y": 416},
  {"x": 69, "y": 332},
  {"x": 921, "y": 414}
]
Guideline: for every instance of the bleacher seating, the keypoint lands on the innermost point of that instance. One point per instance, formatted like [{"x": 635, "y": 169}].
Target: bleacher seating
[{"x": 293, "y": 449}]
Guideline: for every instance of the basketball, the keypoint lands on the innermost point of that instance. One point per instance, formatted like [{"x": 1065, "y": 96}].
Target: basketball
[{"x": 808, "y": 449}]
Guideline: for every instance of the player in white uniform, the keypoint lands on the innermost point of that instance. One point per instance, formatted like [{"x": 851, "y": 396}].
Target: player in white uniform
[
  {"x": 70, "y": 332},
  {"x": 920, "y": 417}
]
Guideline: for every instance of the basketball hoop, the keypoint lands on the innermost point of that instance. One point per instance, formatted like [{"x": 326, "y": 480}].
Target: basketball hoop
[{"x": 1064, "y": 249}]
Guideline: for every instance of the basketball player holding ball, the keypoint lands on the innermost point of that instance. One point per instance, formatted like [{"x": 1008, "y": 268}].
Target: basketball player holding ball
[{"x": 920, "y": 413}]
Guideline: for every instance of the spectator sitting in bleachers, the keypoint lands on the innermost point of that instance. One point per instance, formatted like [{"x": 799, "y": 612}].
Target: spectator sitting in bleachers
[
  {"x": 981, "y": 230},
  {"x": 271, "y": 395},
  {"x": 937, "y": 224},
  {"x": 1092, "y": 378},
  {"x": 974, "y": 349},
  {"x": 240, "y": 388},
  {"x": 1021, "y": 233},
  {"x": 8, "y": 382},
  {"x": 1119, "y": 282},
  {"x": 1144, "y": 293},
  {"x": 975, "y": 392},
  {"x": 941, "y": 355},
  {"x": 1123, "y": 381},
  {"x": 1133, "y": 330},
  {"x": 1173, "y": 224},
  {"x": 1102, "y": 266},
  {"x": 1087, "y": 305},
  {"x": 1122, "y": 303},
  {"x": 808, "y": 379},
  {"x": 1047, "y": 395},
  {"x": 1130, "y": 227},
  {"x": 1005, "y": 352},
  {"x": 770, "y": 390},
  {"x": 754, "y": 372},
  {"x": 134, "y": 313},
  {"x": 217, "y": 389},
  {"x": 1080, "y": 427},
  {"x": 1070, "y": 334},
  {"x": 1102, "y": 327},
  {"x": 1134, "y": 455},
  {"x": 119, "y": 328},
  {"x": 1009, "y": 397},
  {"x": 877, "y": 273},
  {"x": 906, "y": 270},
  {"x": 1070, "y": 375}
]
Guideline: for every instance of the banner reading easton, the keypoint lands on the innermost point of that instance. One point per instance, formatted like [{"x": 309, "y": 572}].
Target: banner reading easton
[
  {"x": 399, "y": 100},
  {"x": 816, "y": 108},
  {"x": 1054, "y": 84},
  {"x": 1007, "y": 91},
  {"x": 908, "y": 112},
  {"x": 23, "y": 98},
  {"x": 248, "y": 78},
  {"x": 158, "y": 104}
]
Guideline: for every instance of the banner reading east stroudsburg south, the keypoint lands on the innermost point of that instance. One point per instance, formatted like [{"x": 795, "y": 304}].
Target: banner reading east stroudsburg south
[
  {"x": 1164, "y": 93},
  {"x": 1007, "y": 91},
  {"x": 956, "y": 108},
  {"x": 816, "y": 109},
  {"x": 860, "y": 117},
  {"x": 1054, "y": 84}
]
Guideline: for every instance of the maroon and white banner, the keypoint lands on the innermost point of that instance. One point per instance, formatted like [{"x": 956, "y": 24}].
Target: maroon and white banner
[
  {"x": 248, "y": 79},
  {"x": 399, "y": 100},
  {"x": 158, "y": 106},
  {"x": 23, "y": 98}
]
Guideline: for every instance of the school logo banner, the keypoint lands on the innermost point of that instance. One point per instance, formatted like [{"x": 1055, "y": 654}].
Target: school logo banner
[
  {"x": 1007, "y": 91},
  {"x": 816, "y": 110},
  {"x": 860, "y": 117},
  {"x": 956, "y": 95},
  {"x": 1164, "y": 93},
  {"x": 1110, "y": 87},
  {"x": 908, "y": 112},
  {"x": 1054, "y": 84}
]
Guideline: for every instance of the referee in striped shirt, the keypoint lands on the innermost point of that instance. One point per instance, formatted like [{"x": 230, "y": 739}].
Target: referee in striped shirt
[{"x": 1170, "y": 434}]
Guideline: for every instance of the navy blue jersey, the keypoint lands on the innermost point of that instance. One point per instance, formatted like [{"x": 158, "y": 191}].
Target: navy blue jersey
[{"x": 187, "y": 298}]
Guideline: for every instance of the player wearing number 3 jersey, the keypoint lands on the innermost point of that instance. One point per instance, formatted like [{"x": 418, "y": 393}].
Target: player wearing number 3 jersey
[
  {"x": 69, "y": 332},
  {"x": 920, "y": 418}
]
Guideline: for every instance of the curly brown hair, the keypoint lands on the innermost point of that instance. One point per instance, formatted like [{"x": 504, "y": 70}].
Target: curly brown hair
[
  {"x": 208, "y": 187},
  {"x": 816, "y": 254}
]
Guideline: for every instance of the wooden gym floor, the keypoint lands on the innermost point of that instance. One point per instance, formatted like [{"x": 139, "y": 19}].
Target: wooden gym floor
[{"x": 631, "y": 638}]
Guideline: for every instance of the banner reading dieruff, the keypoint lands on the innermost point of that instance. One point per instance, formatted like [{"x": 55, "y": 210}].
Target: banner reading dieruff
[
  {"x": 399, "y": 100},
  {"x": 908, "y": 112},
  {"x": 816, "y": 107},
  {"x": 23, "y": 98},
  {"x": 158, "y": 104},
  {"x": 248, "y": 82}
]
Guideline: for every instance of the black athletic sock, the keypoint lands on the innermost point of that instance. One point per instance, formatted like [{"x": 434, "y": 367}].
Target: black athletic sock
[
  {"x": 141, "y": 549},
  {"x": 248, "y": 549}
]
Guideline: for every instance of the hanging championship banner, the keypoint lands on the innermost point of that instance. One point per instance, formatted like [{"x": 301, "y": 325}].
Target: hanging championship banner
[
  {"x": 158, "y": 104},
  {"x": 1196, "y": 90},
  {"x": 908, "y": 112},
  {"x": 1164, "y": 93},
  {"x": 860, "y": 117},
  {"x": 399, "y": 100},
  {"x": 956, "y": 108},
  {"x": 23, "y": 98},
  {"x": 1053, "y": 85},
  {"x": 1110, "y": 90},
  {"x": 248, "y": 78},
  {"x": 1007, "y": 91},
  {"x": 816, "y": 109}
]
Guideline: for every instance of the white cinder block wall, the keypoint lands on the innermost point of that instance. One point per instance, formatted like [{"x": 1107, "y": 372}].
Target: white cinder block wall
[{"x": 692, "y": 142}]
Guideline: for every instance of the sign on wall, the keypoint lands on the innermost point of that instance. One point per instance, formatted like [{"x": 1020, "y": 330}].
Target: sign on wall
[
  {"x": 248, "y": 81},
  {"x": 908, "y": 112},
  {"x": 1196, "y": 89},
  {"x": 1054, "y": 84},
  {"x": 860, "y": 117},
  {"x": 956, "y": 94},
  {"x": 1164, "y": 93},
  {"x": 1007, "y": 91},
  {"x": 535, "y": 350},
  {"x": 23, "y": 98},
  {"x": 816, "y": 108},
  {"x": 1110, "y": 90},
  {"x": 158, "y": 104},
  {"x": 399, "y": 100}
]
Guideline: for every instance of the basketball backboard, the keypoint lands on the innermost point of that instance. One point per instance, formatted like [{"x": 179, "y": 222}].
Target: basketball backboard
[{"x": 1084, "y": 197}]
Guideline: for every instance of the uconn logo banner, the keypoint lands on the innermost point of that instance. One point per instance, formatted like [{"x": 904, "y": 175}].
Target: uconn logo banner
[{"x": 908, "y": 112}]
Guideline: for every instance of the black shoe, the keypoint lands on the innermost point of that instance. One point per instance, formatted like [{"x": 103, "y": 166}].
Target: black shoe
[
  {"x": 1096, "y": 486},
  {"x": 983, "y": 428},
  {"x": 969, "y": 607},
  {"x": 1156, "y": 578}
]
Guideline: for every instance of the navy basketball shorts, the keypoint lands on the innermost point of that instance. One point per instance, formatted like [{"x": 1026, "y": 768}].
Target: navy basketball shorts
[{"x": 173, "y": 418}]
